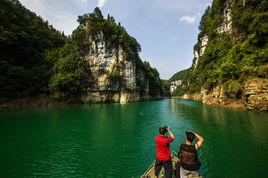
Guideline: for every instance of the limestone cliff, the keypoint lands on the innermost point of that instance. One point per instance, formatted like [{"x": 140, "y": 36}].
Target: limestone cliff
[
  {"x": 117, "y": 74},
  {"x": 98, "y": 62},
  {"x": 254, "y": 96},
  {"x": 200, "y": 51},
  {"x": 230, "y": 65},
  {"x": 114, "y": 75}
]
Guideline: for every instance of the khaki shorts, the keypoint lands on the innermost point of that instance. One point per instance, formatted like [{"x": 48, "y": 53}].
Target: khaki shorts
[{"x": 184, "y": 173}]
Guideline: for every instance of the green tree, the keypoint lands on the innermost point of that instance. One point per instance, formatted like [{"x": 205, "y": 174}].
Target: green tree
[
  {"x": 24, "y": 40},
  {"x": 70, "y": 73},
  {"x": 98, "y": 13}
]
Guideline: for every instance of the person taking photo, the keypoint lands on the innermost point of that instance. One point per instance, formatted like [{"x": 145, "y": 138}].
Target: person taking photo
[
  {"x": 189, "y": 163},
  {"x": 163, "y": 153}
]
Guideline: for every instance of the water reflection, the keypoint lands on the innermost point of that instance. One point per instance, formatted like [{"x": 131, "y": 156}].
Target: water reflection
[{"x": 229, "y": 134}]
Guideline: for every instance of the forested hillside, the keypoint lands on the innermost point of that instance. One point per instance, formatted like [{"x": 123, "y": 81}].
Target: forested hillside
[
  {"x": 232, "y": 46},
  {"x": 99, "y": 56},
  {"x": 96, "y": 58},
  {"x": 24, "y": 41},
  {"x": 181, "y": 75},
  {"x": 183, "y": 78}
]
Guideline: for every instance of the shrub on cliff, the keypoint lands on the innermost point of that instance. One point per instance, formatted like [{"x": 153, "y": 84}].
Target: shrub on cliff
[
  {"x": 232, "y": 89},
  {"x": 70, "y": 76},
  {"x": 92, "y": 24},
  {"x": 180, "y": 90}
]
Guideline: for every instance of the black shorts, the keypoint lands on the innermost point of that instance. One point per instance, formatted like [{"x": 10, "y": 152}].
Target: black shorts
[{"x": 167, "y": 167}]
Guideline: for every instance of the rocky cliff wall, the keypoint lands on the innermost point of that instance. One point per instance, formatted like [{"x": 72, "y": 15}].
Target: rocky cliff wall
[
  {"x": 254, "y": 96},
  {"x": 114, "y": 74},
  {"x": 199, "y": 52},
  {"x": 221, "y": 54},
  {"x": 224, "y": 27}
]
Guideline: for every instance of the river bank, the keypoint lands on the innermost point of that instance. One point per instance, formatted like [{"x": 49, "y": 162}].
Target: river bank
[
  {"x": 254, "y": 96},
  {"x": 50, "y": 101},
  {"x": 227, "y": 103},
  {"x": 35, "y": 102}
]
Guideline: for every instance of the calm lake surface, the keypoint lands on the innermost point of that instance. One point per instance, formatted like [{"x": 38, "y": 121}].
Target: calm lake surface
[{"x": 113, "y": 140}]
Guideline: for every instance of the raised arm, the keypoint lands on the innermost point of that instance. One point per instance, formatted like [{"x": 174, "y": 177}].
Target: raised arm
[
  {"x": 170, "y": 133},
  {"x": 199, "y": 141}
]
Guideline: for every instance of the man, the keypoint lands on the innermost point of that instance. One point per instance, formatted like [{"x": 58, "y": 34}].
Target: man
[
  {"x": 188, "y": 155},
  {"x": 163, "y": 153}
]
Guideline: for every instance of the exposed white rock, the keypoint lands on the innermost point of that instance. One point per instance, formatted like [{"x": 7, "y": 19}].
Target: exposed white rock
[
  {"x": 103, "y": 60},
  {"x": 126, "y": 96},
  {"x": 174, "y": 85},
  {"x": 128, "y": 72},
  {"x": 200, "y": 52},
  {"x": 226, "y": 25},
  {"x": 101, "y": 96},
  {"x": 196, "y": 58},
  {"x": 204, "y": 42}
]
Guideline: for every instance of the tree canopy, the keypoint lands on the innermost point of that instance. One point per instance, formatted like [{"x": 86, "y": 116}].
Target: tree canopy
[
  {"x": 24, "y": 40},
  {"x": 38, "y": 59},
  {"x": 232, "y": 57}
]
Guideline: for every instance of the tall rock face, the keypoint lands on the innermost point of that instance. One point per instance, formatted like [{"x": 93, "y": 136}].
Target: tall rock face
[
  {"x": 226, "y": 23},
  {"x": 230, "y": 55},
  {"x": 113, "y": 75},
  {"x": 200, "y": 51},
  {"x": 104, "y": 61},
  {"x": 256, "y": 94},
  {"x": 117, "y": 74},
  {"x": 99, "y": 62}
]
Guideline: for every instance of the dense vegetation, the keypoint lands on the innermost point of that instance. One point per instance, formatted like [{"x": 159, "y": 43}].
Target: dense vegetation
[
  {"x": 70, "y": 74},
  {"x": 24, "y": 40},
  {"x": 155, "y": 84},
  {"x": 166, "y": 88},
  {"x": 181, "y": 75},
  {"x": 232, "y": 57},
  {"x": 37, "y": 59},
  {"x": 92, "y": 25},
  {"x": 184, "y": 77}
]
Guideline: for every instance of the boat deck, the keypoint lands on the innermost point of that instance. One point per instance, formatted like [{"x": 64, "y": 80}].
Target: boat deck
[{"x": 150, "y": 171}]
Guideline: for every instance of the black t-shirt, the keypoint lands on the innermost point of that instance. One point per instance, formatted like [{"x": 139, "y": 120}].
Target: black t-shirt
[{"x": 189, "y": 157}]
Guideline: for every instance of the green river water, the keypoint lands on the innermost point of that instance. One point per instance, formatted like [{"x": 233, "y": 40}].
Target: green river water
[{"x": 113, "y": 140}]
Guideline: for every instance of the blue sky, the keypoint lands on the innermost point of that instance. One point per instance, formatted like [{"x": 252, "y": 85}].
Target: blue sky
[{"x": 166, "y": 29}]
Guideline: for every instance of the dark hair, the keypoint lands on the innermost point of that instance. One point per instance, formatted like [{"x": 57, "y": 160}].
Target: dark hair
[
  {"x": 190, "y": 136},
  {"x": 162, "y": 130}
]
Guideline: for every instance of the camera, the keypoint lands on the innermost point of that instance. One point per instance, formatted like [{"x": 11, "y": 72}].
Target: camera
[{"x": 165, "y": 128}]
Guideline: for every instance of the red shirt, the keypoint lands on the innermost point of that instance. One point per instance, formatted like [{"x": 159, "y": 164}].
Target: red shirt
[{"x": 163, "y": 152}]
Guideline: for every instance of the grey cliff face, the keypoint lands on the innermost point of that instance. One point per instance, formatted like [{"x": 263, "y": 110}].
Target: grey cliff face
[
  {"x": 103, "y": 61},
  {"x": 106, "y": 61},
  {"x": 198, "y": 53}
]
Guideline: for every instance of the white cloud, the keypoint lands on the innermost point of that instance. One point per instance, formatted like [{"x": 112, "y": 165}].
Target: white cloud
[
  {"x": 56, "y": 14},
  {"x": 101, "y": 3},
  {"x": 188, "y": 19},
  {"x": 80, "y": 3}
]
